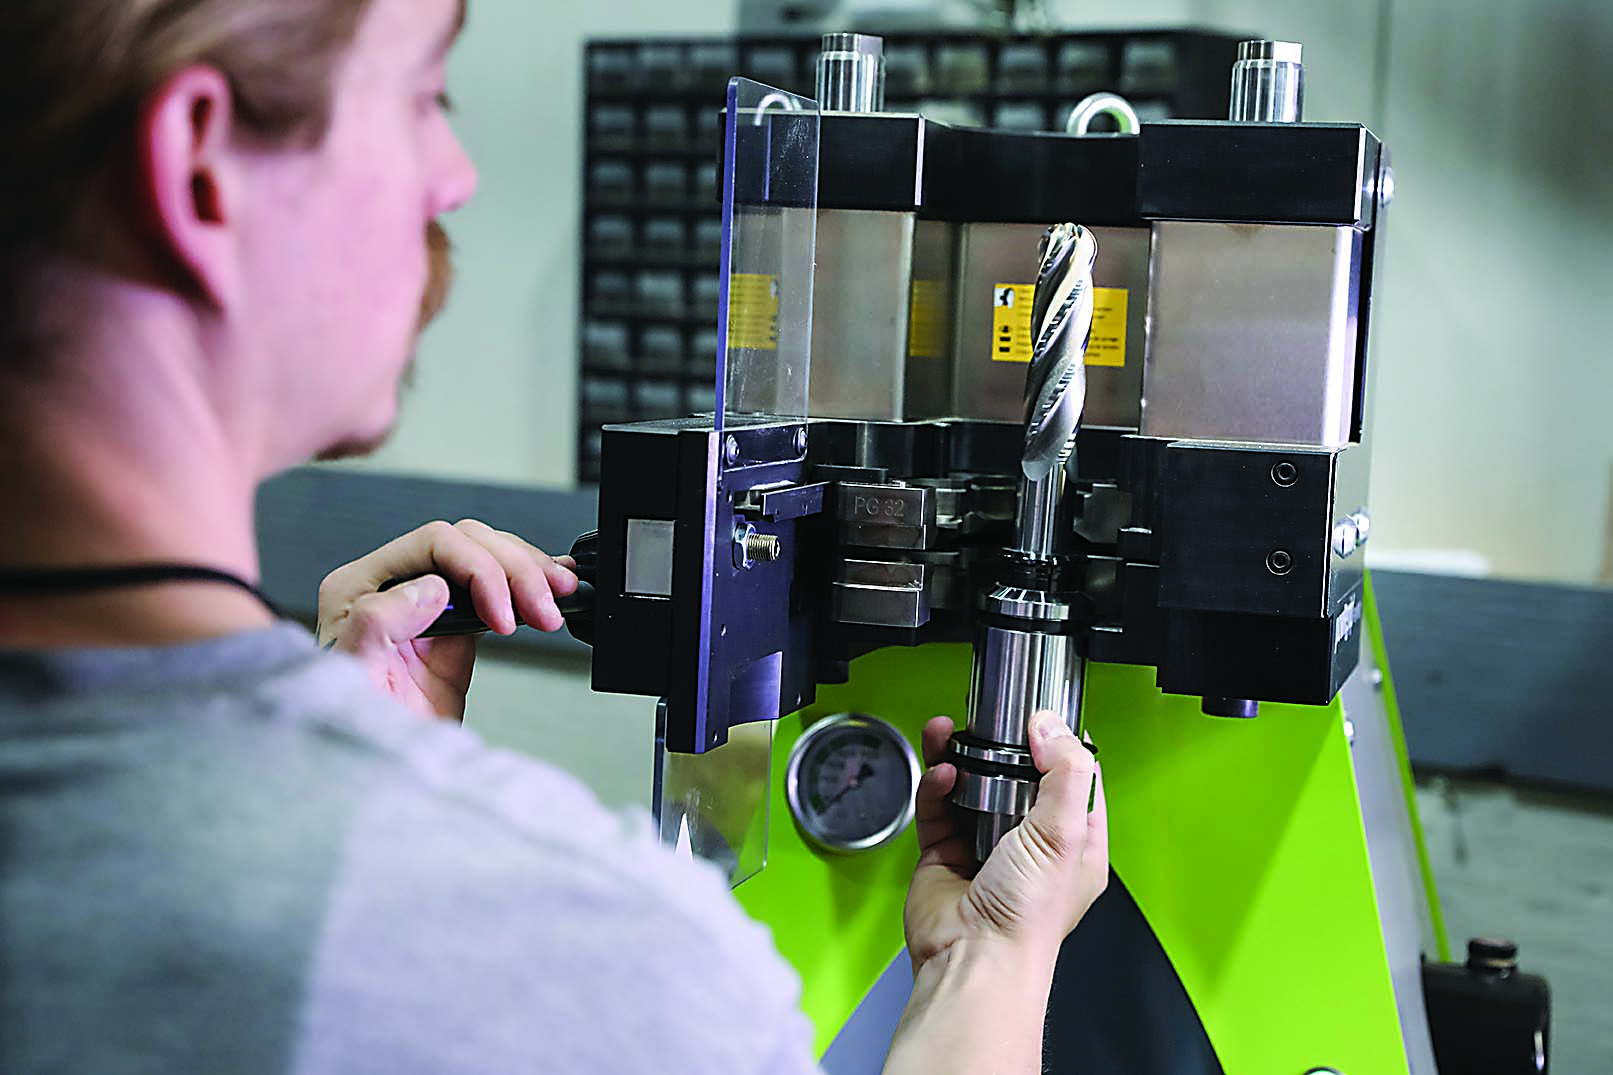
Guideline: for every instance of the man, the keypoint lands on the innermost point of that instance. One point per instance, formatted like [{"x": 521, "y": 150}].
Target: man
[{"x": 223, "y": 849}]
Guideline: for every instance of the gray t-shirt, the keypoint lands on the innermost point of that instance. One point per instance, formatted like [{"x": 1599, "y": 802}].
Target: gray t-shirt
[{"x": 237, "y": 856}]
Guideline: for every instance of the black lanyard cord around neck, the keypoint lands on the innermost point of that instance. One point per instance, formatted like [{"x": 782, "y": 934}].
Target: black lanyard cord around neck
[{"x": 72, "y": 581}]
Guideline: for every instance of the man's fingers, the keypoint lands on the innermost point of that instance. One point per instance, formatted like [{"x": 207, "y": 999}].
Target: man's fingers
[
  {"x": 932, "y": 816},
  {"x": 529, "y": 580},
  {"x": 450, "y": 660},
  {"x": 1059, "y": 817},
  {"x": 560, "y": 570},
  {"x": 934, "y": 739},
  {"x": 440, "y": 674},
  {"x": 502, "y": 571},
  {"x": 1052, "y": 741},
  {"x": 402, "y": 557},
  {"x": 378, "y": 621},
  {"x": 436, "y": 548},
  {"x": 456, "y": 555},
  {"x": 955, "y": 853}
]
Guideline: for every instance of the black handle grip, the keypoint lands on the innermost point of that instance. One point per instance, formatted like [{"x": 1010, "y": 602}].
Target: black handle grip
[{"x": 460, "y": 617}]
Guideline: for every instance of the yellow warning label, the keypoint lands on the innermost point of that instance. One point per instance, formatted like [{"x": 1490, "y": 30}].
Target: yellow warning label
[
  {"x": 924, "y": 326},
  {"x": 1011, "y": 339},
  {"x": 1107, "y": 347},
  {"x": 753, "y": 311},
  {"x": 1011, "y": 322}
]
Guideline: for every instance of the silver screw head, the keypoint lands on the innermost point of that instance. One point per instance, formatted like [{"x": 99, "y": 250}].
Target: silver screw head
[{"x": 1346, "y": 538}]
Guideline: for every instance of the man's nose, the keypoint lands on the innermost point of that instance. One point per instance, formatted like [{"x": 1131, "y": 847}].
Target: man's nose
[{"x": 458, "y": 183}]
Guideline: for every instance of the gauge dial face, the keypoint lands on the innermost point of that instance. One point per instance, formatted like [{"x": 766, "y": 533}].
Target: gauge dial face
[{"x": 851, "y": 782}]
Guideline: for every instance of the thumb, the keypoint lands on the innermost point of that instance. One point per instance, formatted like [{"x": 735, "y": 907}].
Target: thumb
[
  {"x": 1059, "y": 816},
  {"x": 391, "y": 618}
]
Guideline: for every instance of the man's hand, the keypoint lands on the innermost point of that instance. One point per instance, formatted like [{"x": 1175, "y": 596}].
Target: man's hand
[
  {"x": 984, "y": 940},
  {"x": 504, "y": 574},
  {"x": 1040, "y": 879}
]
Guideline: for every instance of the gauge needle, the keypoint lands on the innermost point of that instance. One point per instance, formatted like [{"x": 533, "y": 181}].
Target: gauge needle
[{"x": 862, "y": 774}]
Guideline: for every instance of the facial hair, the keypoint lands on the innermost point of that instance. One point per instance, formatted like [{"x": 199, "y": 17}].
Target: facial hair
[
  {"x": 439, "y": 273},
  {"x": 439, "y": 282}
]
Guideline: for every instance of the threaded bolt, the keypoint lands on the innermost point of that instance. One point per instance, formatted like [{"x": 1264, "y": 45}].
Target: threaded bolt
[{"x": 763, "y": 547}]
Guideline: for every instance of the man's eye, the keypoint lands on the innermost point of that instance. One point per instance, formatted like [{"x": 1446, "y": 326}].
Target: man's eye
[{"x": 445, "y": 102}]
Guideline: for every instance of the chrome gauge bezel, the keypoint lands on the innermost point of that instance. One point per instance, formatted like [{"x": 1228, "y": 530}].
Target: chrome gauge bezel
[{"x": 811, "y": 739}]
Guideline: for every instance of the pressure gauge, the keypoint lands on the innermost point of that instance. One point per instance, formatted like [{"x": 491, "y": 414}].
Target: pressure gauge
[{"x": 851, "y": 782}]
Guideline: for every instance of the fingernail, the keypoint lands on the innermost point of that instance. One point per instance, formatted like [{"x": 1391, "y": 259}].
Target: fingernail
[
  {"x": 416, "y": 592},
  {"x": 1050, "y": 725}
]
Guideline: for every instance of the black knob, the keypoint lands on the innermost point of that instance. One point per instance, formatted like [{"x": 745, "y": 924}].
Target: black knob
[
  {"x": 1492, "y": 955},
  {"x": 1487, "y": 1017},
  {"x": 585, "y": 550},
  {"x": 580, "y": 617},
  {"x": 1237, "y": 708}
]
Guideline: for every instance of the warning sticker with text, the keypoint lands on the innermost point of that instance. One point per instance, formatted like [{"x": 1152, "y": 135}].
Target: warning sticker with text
[
  {"x": 1107, "y": 347},
  {"x": 1011, "y": 339},
  {"x": 1011, "y": 322},
  {"x": 753, "y": 312}
]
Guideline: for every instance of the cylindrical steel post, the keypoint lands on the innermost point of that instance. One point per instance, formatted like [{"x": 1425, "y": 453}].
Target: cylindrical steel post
[
  {"x": 989, "y": 831},
  {"x": 1018, "y": 674},
  {"x": 1041, "y": 511},
  {"x": 851, "y": 73},
  {"x": 1268, "y": 83}
]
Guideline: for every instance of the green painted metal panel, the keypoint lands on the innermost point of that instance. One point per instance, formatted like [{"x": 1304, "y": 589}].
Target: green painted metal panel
[
  {"x": 1243, "y": 845},
  {"x": 838, "y": 919},
  {"x": 1241, "y": 841}
]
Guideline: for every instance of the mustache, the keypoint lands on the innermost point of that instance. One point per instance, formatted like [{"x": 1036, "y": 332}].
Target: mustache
[{"x": 439, "y": 272}]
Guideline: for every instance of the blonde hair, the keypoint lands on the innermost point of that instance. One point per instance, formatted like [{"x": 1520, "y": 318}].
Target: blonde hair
[{"x": 73, "y": 75}]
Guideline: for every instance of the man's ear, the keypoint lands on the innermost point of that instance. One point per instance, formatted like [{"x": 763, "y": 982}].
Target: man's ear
[{"x": 186, "y": 183}]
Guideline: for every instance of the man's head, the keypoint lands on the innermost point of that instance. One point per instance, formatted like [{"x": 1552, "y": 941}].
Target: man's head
[{"x": 257, "y": 176}]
